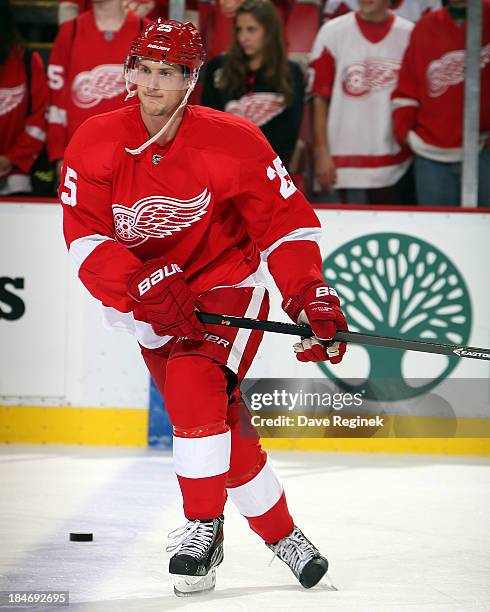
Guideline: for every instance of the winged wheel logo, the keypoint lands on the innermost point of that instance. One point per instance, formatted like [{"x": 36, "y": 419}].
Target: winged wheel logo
[{"x": 157, "y": 217}]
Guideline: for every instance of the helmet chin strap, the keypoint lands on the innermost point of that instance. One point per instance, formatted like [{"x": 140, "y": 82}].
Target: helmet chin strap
[{"x": 162, "y": 131}]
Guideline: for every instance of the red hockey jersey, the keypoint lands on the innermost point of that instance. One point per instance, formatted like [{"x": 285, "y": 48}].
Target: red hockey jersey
[
  {"x": 427, "y": 104},
  {"x": 22, "y": 136},
  {"x": 211, "y": 200},
  {"x": 86, "y": 75}
]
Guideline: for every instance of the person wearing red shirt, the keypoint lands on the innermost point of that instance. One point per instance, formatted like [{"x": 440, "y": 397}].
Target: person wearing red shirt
[
  {"x": 22, "y": 108},
  {"x": 427, "y": 104},
  {"x": 85, "y": 69},
  {"x": 169, "y": 208},
  {"x": 151, "y": 9}
]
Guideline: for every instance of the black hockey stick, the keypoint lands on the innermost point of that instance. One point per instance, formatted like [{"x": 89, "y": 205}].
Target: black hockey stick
[{"x": 452, "y": 350}]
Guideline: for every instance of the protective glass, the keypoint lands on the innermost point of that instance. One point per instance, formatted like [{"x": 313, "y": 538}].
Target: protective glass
[{"x": 156, "y": 75}]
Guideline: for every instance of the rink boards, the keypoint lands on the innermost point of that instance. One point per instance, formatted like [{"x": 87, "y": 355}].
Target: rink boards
[{"x": 64, "y": 378}]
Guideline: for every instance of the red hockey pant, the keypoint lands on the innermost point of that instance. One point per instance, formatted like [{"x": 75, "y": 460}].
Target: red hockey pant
[{"x": 217, "y": 451}]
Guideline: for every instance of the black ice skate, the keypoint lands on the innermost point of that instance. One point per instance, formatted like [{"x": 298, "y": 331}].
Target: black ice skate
[
  {"x": 305, "y": 561},
  {"x": 199, "y": 550}
]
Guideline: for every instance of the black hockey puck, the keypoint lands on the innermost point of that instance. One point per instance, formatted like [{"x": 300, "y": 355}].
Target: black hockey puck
[{"x": 81, "y": 537}]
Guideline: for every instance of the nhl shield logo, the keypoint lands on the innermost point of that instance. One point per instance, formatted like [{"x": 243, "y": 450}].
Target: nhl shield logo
[{"x": 156, "y": 158}]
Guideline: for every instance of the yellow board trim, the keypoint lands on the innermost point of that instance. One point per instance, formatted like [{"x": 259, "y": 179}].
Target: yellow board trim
[
  {"x": 129, "y": 427},
  {"x": 67, "y": 425},
  {"x": 417, "y": 446}
]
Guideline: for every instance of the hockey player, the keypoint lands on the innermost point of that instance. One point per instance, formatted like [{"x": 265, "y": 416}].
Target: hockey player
[{"x": 167, "y": 209}]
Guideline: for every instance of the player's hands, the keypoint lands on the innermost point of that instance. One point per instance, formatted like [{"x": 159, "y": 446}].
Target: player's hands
[
  {"x": 166, "y": 298},
  {"x": 318, "y": 305},
  {"x": 325, "y": 169}
]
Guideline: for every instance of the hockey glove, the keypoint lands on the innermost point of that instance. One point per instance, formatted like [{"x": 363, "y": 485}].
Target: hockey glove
[
  {"x": 166, "y": 298},
  {"x": 318, "y": 305}
]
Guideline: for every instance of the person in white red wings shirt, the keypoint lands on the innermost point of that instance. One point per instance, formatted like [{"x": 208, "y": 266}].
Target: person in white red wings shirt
[
  {"x": 85, "y": 70},
  {"x": 168, "y": 208},
  {"x": 354, "y": 67},
  {"x": 412, "y": 10},
  {"x": 22, "y": 108},
  {"x": 428, "y": 103}
]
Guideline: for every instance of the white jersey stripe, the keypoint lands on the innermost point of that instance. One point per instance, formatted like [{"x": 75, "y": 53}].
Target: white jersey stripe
[
  {"x": 403, "y": 102},
  {"x": 57, "y": 115},
  {"x": 258, "y": 495},
  {"x": 202, "y": 457},
  {"x": 143, "y": 332},
  {"x": 36, "y": 132},
  {"x": 303, "y": 233},
  {"x": 81, "y": 248},
  {"x": 236, "y": 352}
]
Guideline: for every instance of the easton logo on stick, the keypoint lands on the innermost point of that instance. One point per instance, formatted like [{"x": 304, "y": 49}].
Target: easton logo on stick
[{"x": 462, "y": 352}]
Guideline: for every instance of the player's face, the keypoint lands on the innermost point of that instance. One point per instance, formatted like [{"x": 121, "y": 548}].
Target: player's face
[
  {"x": 374, "y": 9},
  {"x": 250, "y": 35},
  {"x": 159, "y": 95}
]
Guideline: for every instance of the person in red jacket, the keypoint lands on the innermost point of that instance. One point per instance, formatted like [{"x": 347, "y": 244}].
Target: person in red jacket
[
  {"x": 427, "y": 104},
  {"x": 169, "y": 208},
  {"x": 22, "y": 108},
  {"x": 85, "y": 69}
]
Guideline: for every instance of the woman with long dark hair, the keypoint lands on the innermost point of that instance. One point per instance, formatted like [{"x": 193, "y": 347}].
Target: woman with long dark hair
[
  {"x": 255, "y": 79},
  {"x": 23, "y": 104}
]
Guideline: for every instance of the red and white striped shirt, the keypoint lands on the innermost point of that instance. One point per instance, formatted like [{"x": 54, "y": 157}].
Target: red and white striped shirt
[{"x": 355, "y": 64}]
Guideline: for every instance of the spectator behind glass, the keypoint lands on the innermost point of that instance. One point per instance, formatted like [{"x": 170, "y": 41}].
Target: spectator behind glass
[
  {"x": 22, "y": 108},
  {"x": 428, "y": 104},
  {"x": 412, "y": 10},
  {"x": 86, "y": 69},
  {"x": 354, "y": 68},
  {"x": 151, "y": 9},
  {"x": 216, "y": 22},
  {"x": 255, "y": 80}
]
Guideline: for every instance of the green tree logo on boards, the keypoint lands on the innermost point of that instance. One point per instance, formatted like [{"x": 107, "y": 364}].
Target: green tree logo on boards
[{"x": 398, "y": 285}]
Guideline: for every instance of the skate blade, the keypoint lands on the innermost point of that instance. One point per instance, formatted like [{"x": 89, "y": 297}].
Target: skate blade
[
  {"x": 328, "y": 584},
  {"x": 186, "y": 586}
]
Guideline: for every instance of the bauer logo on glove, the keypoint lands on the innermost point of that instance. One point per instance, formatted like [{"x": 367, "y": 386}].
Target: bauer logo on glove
[
  {"x": 166, "y": 299},
  {"x": 318, "y": 304},
  {"x": 157, "y": 276}
]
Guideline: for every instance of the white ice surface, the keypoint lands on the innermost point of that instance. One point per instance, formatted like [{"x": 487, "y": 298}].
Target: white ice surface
[{"x": 401, "y": 533}]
